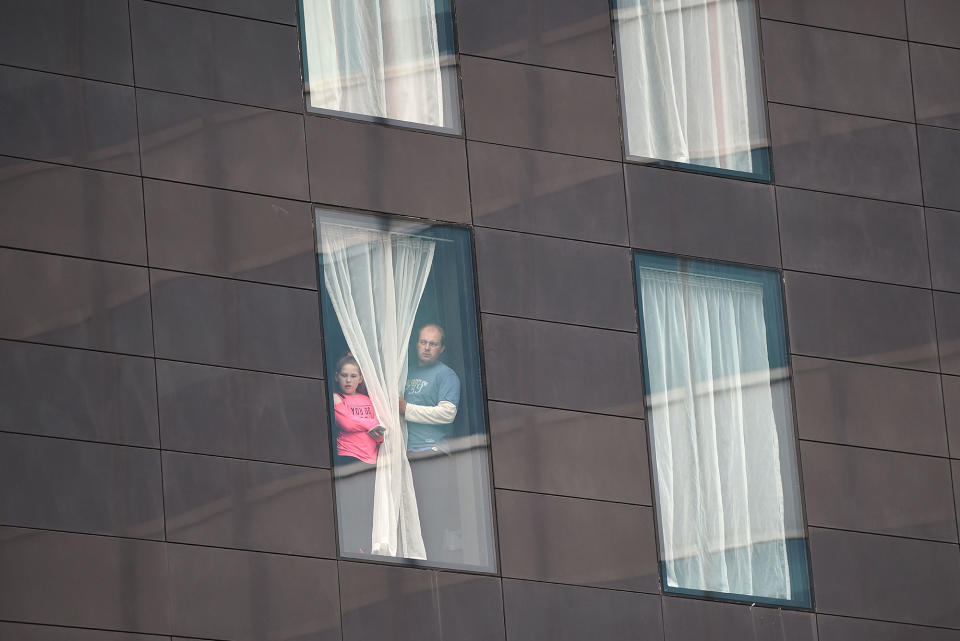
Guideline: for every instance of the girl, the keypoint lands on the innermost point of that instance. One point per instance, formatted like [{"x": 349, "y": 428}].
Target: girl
[{"x": 359, "y": 434}]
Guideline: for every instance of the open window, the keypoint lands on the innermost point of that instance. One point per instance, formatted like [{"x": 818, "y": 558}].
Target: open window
[
  {"x": 720, "y": 419},
  {"x": 409, "y": 427},
  {"x": 691, "y": 85}
]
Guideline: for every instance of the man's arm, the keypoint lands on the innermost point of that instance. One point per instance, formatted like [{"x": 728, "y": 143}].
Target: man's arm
[{"x": 440, "y": 414}]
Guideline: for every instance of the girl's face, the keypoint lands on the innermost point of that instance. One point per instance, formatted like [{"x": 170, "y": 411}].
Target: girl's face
[{"x": 349, "y": 379}]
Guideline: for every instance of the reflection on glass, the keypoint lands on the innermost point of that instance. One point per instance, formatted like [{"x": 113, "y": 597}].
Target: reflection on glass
[
  {"x": 721, "y": 429},
  {"x": 691, "y": 84},
  {"x": 381, "y": 59},
  {"x": 410, "y": 431}
]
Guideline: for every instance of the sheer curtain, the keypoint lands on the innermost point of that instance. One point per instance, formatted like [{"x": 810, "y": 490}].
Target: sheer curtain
[
  {"x": 375, "y": 280},
  {"x": 714, "y": 434},
  {"x": 375, "y": 57},
  {"x": 691, "y": 81}
]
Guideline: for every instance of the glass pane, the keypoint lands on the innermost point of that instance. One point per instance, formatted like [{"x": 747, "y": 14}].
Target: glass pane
[
  {"x": 408, "y": 416},
  {"x": 691, "y": 84},
  {"x": 718, "y": 395},
  {"x": 390, "y": 60}
]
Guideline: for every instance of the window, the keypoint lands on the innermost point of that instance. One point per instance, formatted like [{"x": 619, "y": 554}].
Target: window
[
  {"x": 719, "y": 412},
  {"x": 384, "y": 61},
  {"x": 400, "y": 337},
  {"x": 691, "y": 85}
]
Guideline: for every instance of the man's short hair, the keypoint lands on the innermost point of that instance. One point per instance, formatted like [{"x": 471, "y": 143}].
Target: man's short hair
[{"x": 443, "y": 334}]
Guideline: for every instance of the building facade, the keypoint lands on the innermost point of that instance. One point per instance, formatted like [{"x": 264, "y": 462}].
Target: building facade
[{"x": 167, "y": 363}]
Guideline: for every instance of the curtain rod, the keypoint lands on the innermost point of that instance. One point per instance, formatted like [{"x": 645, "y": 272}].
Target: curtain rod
[
  {"x": 677, "y": 272},
  {"x": 385, "y": 231}
]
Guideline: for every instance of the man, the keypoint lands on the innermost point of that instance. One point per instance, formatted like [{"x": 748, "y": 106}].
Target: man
[{"x": 431, "y": 395}]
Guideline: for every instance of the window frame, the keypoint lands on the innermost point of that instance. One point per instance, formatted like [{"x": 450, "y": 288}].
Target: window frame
[
  {"x": 766, "y": 177},
  {"x": 457, "y": 130},
  {"x": 706, "y": 595},
  {"x": 495, "y": 568}
]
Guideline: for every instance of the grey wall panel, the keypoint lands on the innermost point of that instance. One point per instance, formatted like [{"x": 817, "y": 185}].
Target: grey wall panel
[
  {"x": 221, "y": 144},
  {"x": 828, "y": 69},
  {"x": 215, "y": 410},
  {"x": 388, "y": 602},
  {"x": 834, "y": 628},
  {"x": 68, "y": 120},
  {"x": 541, "y": 611},
  {"x": 558, "y": 280},
  {"x": 383, "y": 602},
  {"x": 546, "y": 193},
  {"x": 851, "y": 488},
  {"x": 883, "y": 577},
  {"x": 216, "y": 56},
  {"x": 84, "y": 581},
  {"x": 554, "y": 365},
  {"x": 943, "y": 236},
  {"x": 576, "y": 541},
  {"x": 948, "y": 331},
  {"x": 87, "y": 38},
  {"x": 861, "y": 321},
  {"x": 551, "y": 451},
  {"x": 939, "y": 158},
  {"x": 245, "y": 504},
  {"x": 539, "y": 108},
  {"x": 226, "y": 322},
  {"x": 29, "y": 632},
  {"x": 247, "y": 596},
  {"x": 567, "y": 34},
  {"x": 54, "y": 391},
  {"x": 704, "y": 216},
  {"x": 369, "y": 166},
  {"x": 854, "y": 237},
  {"x": 74, "y": 302},
  {"x": 878, "y": 17},
  {"x": 935, "y": 90},
  {"x": 471, "y": 607},
  {"x": 845, "y": 154},
  {"x": 283, "y": 11},
  {"x": 870, "y": 406},
  {"x": 82, "y": 487},
  {"x": 690, "y": 619},
  {"x": 934, "y": 21},
  {"x": 224, "y": 233},
  {"x": 66, "y": 210}
]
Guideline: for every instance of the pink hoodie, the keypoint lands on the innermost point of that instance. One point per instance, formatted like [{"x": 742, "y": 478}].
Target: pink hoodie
[{"x": 355, "y": 416}]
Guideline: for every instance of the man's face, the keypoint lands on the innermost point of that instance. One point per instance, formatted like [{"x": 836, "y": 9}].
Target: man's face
[{"x": 430, "y": 346}]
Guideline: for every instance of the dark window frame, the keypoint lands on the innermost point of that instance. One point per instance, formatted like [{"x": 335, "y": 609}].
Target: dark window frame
[
  {"x": 712, "y": 596},
  {"x": 495, "y": 569},
  {"x": 766, "y": 177},
  {"x": 456, "y": 88}
]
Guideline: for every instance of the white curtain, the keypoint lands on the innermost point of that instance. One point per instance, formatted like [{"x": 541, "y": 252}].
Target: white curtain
[
  {"x": 375, "y": 280},
  {"x": 375, "y": 57},
  {"x": 716, "y": 446},
  {"x": 691, "y": 81}
]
